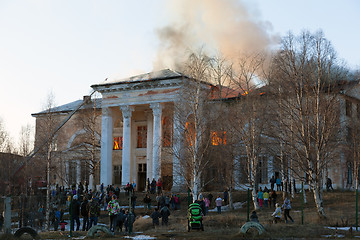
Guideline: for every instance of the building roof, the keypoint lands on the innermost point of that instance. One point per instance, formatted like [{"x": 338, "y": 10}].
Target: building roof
[
  {"x": 70, "y": 107},
  {"x": 151, "y": 76}
]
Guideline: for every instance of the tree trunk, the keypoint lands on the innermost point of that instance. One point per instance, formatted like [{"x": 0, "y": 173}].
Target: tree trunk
[
  {"x": 304, "y": 194},
  {"x": 92, "y": 182},
  {"x": 254, "y": 198},
  {"x": 195, "y": 190},
  {"x": 231, "y": 204},
  {"x": 47, "y": 214},
  {"x": 319, "y": 201}
]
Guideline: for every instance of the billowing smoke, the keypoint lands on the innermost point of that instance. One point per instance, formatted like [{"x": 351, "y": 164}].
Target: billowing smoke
[{"x": 220, "y": 27}]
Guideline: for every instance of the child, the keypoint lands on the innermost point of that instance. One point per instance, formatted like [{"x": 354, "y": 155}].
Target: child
[
  {"x": 277, "y": 214},
  {"x": 62, "y": 225}
]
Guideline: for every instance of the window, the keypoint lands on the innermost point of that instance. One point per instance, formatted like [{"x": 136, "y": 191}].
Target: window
[
  {"x": 190, "y": 133},
  {"x": 118, "y": 143},
  {"x": 167, "y": 131},
  {"x": 358, "y": 110},
  {"x": 263, "y": 170},
  {"x": 349, "y": 133},
  {"x": 117, "y": 174},
  {"x": 142, "y": 167},
  {"x": 218, "y": 138},
  {"x": 141, "y": 136},
  {"x": 348, "y": 108}
]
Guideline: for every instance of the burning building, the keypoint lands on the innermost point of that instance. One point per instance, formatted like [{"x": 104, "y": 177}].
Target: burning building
[{"x": 137, "y": 131}]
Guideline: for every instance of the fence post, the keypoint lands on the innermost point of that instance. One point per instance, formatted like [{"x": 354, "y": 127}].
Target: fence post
[
  {"x": 302, "y": 203},
  {"x": 130, "y": 212},
  {"x": 356, "y": 209},
  {"x": 248, "y": 205},
  {"x": 7, "y": 222}
]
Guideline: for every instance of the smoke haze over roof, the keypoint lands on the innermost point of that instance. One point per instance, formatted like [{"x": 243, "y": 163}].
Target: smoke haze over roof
[{"x": 224, "y": 27}]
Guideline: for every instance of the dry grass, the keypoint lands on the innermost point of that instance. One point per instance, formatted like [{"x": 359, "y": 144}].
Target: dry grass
[{"x": 339, "y": 207}]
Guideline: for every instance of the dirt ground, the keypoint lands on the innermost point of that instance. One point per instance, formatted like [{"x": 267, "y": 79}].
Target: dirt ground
[{"x": 339, "y": 207}]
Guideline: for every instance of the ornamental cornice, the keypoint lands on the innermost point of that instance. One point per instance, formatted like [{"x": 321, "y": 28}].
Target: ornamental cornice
[{"x": 139, "y": 86}]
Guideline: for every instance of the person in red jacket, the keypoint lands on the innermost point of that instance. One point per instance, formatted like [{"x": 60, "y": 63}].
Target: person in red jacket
[{"x": 159, "y": 186}]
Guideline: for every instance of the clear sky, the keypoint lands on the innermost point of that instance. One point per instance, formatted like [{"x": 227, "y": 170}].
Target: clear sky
[{"x": 64, "y": 46}]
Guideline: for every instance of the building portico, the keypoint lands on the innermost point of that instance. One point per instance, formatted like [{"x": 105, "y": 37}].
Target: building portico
[{"x": 134, "y": 112}]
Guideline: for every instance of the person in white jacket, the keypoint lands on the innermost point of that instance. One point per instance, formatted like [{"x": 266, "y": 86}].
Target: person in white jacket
[{"x": 277, "y": 214}]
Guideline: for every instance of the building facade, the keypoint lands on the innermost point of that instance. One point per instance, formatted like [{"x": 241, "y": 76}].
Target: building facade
[{"x": 135, "y": 131}]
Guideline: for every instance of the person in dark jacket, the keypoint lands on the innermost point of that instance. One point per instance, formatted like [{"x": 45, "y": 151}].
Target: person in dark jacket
[
  {"x": 147, "y": 203},
  {"x": 155, "y": 217},
  {"x": 94, "y": 211},
  {"x": 120, "y": 218},
  {"x": 85, "y": 214},
  {"x": 75, "y": 211},
  {"x": 201, "y": 202},
  {"x": 165, "y": 213}
]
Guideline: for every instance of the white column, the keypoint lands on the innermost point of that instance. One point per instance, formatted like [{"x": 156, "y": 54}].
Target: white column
[
  {"x": 106, "y": 147},
  {"x": 149, "y": 146},
  {"x": 126, "y": 151},
  {"x": 78, "y": 172},
  {"x": 178, "y": 171},
  {"x": 157, "y": 108},
  {"x": 67, "y": 174}
]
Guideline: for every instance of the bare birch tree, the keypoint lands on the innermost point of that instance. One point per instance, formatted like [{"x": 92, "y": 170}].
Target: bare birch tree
[
  {"x": 192, "y": 116},
  {"x": 90, "y": 118},
  {"x": 306, "y": 81},
  {"x": 45, "y": 129},
  {"x": 248, "y": 118}
]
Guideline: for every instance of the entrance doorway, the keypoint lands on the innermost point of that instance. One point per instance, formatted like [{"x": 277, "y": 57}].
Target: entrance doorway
[{"x": 141, "y": 177}]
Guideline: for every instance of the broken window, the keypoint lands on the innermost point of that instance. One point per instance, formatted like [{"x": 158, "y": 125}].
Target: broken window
[
  {"x": 167, "y": 131},
  {"x": 218, "y": 138},
  {"x": 141, "y": 136},
  {"x": 118, "y": 143}
]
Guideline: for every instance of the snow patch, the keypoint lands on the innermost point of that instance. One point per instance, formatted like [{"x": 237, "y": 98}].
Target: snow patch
[
  {"x": 343, "y": 228},
  {"x": 141, "y": 237},
  {"x": 236, "y": 205}
]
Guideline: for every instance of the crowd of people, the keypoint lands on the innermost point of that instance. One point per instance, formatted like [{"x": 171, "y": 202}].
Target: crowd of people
[{"x": 81, "y": 203}]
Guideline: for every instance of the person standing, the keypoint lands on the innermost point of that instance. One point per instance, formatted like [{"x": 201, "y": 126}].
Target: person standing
[
  {"x": 75, "y": 211},
  {"x": 260, "y": 197},
  {"x": 278, "y": 184},
  {"x": 165, "y": 213},
  {"x": 329, "y": 185},
  {"x": 133, "y": 186},
  {"x": 210, "y": 197},
  {"x": 273, "y": 197},
  {"x": 287, "y": 207},
  {"x": 1, "y": 220},
  {"x": 226, "y": 196},
  {"x": 272, "y": 182},
  {"x": 218, "y": 202},
  {"x": 207, "y": 205},
  {"x": 159, "y": 186},
  {"x": 155, "y": 217},
  {"x": 94, "y": 211},
  {"x": 201, "y": 203},
  {"x": 85, "y": 214},
  {"x": 147, "y": 203},
  {"x": 113, "y": 209},
  {"x": 266, "y": 199}
]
